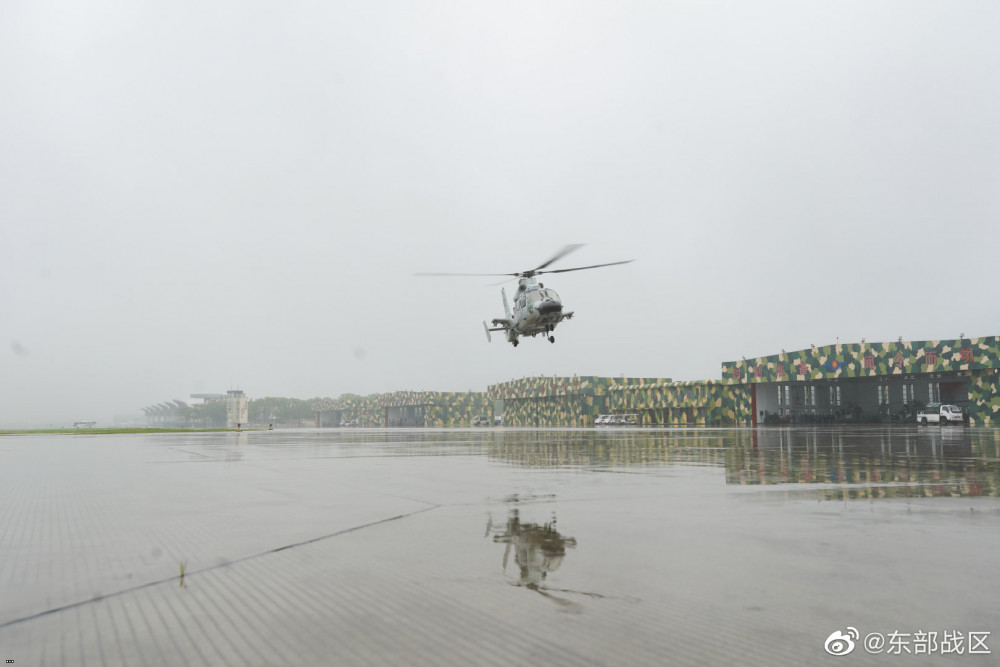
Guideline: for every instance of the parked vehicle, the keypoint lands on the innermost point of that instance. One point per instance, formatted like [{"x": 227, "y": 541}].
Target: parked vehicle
[
  {"x": 938, "y": 413},
  {"x": 482, "y": 420}
]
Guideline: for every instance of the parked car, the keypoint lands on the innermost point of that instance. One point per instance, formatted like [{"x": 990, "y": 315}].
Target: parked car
[
  {"x": 940, "y": 413},
  {"x": 482, "y": 420}
]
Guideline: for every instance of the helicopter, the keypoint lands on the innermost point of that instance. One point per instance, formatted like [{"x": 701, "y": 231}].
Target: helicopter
[{"x": 537, "y": 309}]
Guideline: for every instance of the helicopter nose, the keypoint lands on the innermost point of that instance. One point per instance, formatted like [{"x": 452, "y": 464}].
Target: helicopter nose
[{"x": 549, "y": 307}]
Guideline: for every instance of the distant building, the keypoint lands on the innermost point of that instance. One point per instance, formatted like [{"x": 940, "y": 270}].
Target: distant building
[
  {"x": 170, "y": 414},
  {"x": 209, "y": 398}
]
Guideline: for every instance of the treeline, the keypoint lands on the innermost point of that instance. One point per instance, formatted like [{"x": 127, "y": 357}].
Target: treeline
[
  {"x": 206, "y": 415},
  {"x": 281, "y": 410}
]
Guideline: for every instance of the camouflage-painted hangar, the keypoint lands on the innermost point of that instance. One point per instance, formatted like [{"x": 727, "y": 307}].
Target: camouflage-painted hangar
[
  {"x": 873, "y": 381},
  {"x": 403, "y": 408},
  {"x": 860, "y": 382}
]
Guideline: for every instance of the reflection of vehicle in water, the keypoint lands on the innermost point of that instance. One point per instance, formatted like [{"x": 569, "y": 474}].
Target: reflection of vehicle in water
[
  {"x": 616, "y": 420},
  {"x": 538, "y": 549},
  {"x": 936, "y": 413}
]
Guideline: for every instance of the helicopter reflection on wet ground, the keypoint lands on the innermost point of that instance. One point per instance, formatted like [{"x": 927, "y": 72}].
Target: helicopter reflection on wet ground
[
  {"x": 625, "y": 546},
  {"x": 538, "y": 549}
]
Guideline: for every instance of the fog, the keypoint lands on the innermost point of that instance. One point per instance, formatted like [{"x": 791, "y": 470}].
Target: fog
[{"x": 197, "y": 197}]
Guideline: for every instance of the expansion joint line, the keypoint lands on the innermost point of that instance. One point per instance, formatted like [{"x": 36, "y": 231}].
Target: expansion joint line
[{"x": 150, "y": 584}]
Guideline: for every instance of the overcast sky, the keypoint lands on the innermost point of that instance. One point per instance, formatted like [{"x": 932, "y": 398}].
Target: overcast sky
[{"x": 198, "y": 196}]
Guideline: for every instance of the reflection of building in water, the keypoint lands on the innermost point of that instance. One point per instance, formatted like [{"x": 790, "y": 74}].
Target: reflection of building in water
[
  {"x": 877, "y": 464},
  {"x": 612, "y": 448},
  {"x": 538, "y": 549},
  {"x": 889, "y": 461}
]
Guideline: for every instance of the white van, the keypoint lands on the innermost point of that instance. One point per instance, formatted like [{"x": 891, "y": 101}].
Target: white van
[{"x": 937, "y": 413}]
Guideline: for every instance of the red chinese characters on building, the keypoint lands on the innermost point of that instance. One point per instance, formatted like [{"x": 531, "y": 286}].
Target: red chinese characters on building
[
  {"x": 869, "y": 362},
  {"x": 898, "y": 360},
  {"x": 781, "y": 368},
  {"x": 758, "y": 372},
  {"x": 967, "y": 355},
  {"x": 803, "y": 368},
  {"x": 737, "y": 372},
  {"x": 931, "y": 357}
]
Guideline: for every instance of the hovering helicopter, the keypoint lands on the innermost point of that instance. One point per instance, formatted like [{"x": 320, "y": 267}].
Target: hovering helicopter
[{"x": 537, "y": 309}]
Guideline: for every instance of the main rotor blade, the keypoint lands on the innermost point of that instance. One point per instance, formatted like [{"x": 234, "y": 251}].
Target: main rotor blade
[
  {"x": 466, "y": 274},
  {"x": 559, "y": 255},
  {"x": 504, "y": 281},
  {"x": 581, "y": 268}
]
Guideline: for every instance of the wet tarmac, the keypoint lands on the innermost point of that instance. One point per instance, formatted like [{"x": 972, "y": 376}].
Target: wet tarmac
[{"x": 501, "y": 546}]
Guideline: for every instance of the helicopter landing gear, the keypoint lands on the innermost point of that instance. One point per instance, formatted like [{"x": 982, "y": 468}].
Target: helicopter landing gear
[{"x": 552, "y": 339}]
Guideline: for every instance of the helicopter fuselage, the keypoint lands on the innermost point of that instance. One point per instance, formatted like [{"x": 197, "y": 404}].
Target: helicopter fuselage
[{"x": 537, "y": 310}]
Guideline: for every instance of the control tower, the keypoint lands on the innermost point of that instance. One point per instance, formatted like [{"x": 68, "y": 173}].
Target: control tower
[{"x": 237, "y": 408}]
